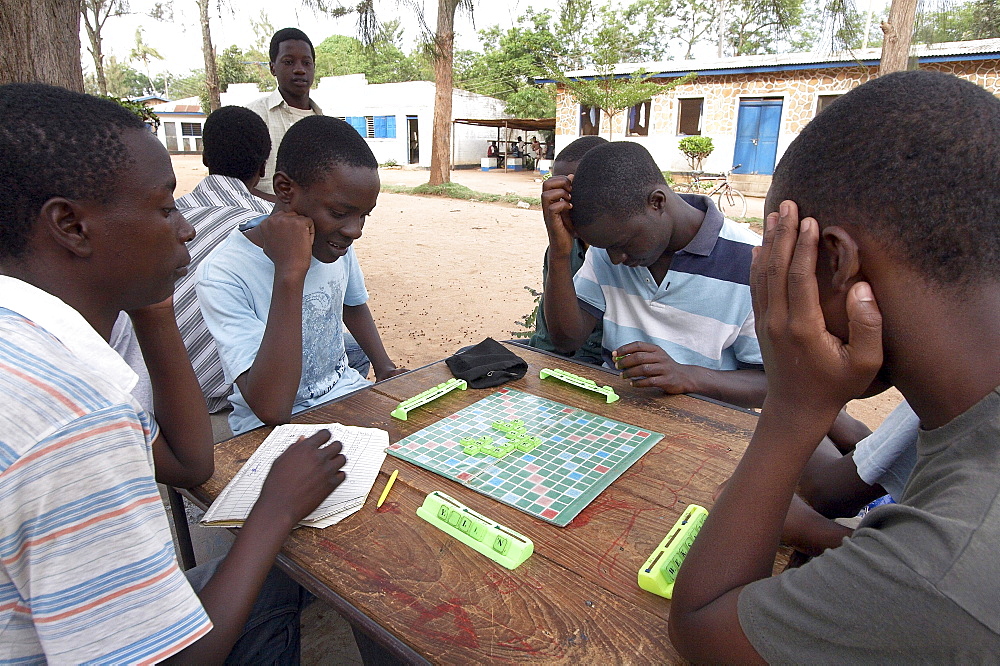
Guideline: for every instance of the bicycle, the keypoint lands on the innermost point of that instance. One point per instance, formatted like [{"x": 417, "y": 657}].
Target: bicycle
[{"x": 730, "y": 201}]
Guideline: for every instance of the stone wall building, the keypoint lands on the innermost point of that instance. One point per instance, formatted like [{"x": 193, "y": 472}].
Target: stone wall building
[{"x": 753, "y": 106}]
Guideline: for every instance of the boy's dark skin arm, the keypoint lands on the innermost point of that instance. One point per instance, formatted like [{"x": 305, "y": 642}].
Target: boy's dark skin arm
[
  {"x": 270, "y": 385},
  {"x": 569, "y": 325},
  {"x": 648, "y": 365},
  {"x": 301, "y": 478},
  {"x": 359, "y": 321},
  {"x": 799, "y": 353},
  {"x": 182, "y": 454}
]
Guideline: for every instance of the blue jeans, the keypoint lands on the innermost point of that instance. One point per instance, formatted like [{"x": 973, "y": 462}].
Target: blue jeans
[
  {"x": 356, "y": 357},
  {"x": 271, "y": 634}
]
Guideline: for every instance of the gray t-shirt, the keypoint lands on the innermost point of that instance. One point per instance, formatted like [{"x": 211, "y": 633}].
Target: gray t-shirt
[{"x": 919, "y": 581}]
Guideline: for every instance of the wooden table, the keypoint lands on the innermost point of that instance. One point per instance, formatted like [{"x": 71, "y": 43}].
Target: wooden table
[{"x": 425, "y": 595}]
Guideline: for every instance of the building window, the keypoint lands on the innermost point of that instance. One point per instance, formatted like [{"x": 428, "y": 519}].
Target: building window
[
  {"x": 689, "y": 116},
  {"x": 384, "y": 127},
  {"x": 590, "y": 120},
  {"x": 170, "y": 132},
  {"x": 191, "y": 133},
  {"x": 374, "y": 127},
  {"x": 638, "y": 119},
  {"x": 823, "y": 101}
]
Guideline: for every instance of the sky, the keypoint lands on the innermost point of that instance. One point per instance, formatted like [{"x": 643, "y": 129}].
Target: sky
[{"x": 179, "y": 42}]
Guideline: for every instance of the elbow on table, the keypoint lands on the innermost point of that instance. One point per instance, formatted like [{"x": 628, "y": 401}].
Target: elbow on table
[{"x": 197, "y": 475}]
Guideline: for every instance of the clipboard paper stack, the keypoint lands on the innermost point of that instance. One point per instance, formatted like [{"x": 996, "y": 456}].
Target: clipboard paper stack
[{"x": 364, "y": 448}]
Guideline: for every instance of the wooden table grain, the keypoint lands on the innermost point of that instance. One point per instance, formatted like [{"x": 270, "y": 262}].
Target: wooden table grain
[{"x": 425, "y": 595}]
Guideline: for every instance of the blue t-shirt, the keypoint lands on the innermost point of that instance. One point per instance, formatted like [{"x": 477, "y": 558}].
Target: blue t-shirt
[{"x": 234, "y": 290}]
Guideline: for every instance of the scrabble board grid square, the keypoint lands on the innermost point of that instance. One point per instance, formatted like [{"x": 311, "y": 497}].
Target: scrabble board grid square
[{"x": 581, "y": 453}]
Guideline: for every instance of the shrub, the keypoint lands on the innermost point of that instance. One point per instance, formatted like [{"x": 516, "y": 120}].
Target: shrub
[{"x": 696, "y": 148}]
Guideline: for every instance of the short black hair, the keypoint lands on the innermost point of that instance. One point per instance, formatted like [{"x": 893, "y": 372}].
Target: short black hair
[
  {"x": 575, "y": 151},
  {"x": 284, "y": 35},
  {"x": 315, "y": 144},
  {"x": 912, "y": 158},
  {"x": 613, "y": 179},
  {"x": 236, "y": 142},
  {"x": 55, "y": 143}
]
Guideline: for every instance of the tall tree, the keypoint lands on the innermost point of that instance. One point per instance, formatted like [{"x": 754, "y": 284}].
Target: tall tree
[
  {"x": 144, "y": 53},
  {"x": 41, "y": 42},
  {"x": 208, "y": 53},
  {"x": 897, "y": 33},
  {"x": 95, "y": 15},
  {"x": 442, "y": 42}
]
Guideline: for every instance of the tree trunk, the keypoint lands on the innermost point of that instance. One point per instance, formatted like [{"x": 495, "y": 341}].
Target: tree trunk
[
  {"x": 96, "y": 48},
  {"x": 211, "y": 71},
  {"x": 898, "y": 30},
  {"x": 41, "y": 42},
  {"x": 444, "y": 53}
]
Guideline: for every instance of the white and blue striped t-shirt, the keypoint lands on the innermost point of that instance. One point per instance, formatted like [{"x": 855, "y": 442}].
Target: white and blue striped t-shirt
[
  {"x": 701, "y": 314},
  {"x": 87, "y": 566}
]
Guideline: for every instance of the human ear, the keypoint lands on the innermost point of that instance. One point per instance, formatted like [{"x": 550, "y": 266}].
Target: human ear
[
  {"x": 270, "y": 66},
  {"x": 65, "y": 221},
  {"x": 284, "y": 187},
  {"x": 842, "y": 258},
  {"x": 657, "y": 199}
]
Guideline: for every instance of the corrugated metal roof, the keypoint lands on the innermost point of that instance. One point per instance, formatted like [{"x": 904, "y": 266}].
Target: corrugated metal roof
[{"x": 947, "y": 51}]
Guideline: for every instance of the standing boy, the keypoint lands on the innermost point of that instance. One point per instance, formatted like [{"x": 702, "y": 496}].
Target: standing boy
[
  {"x": 276, "y": 296},
  {"x": 565, "y": 164},
  {"x": 881, "y": 275},
  {"x": 88, "y": 229},
  {"x": 293, "y": 65},
  {"x": 667, "y": 273}
]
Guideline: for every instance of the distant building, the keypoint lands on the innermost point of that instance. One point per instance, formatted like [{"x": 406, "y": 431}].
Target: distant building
[
  {"x": 395, "y": 118},
  {"x": 754, "y": 106},
  {"x": 150, "y": 100}
]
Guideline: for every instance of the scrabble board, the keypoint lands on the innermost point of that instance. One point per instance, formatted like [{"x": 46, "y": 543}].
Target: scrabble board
[{"x": 580, "y": 455}]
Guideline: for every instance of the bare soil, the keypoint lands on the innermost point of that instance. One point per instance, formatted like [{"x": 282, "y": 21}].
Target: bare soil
[{"x": 445, "y": 273}]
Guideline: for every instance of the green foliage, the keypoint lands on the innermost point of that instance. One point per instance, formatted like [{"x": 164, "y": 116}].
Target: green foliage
[
  {"x": 696, "y": 149},
  {"x": 528, "y": 322},
  {"x": 389, "y": 163},
  {"x": 234, "y": 65},
  {"x": 383, "y": 61},
  {"x": 974, "y": 19},
  {"x": 509, "y": 61},
  {"x": 757, "y": 26},
  {"x": 123, "y": 80},
  {"x": 139, "y": 109}
]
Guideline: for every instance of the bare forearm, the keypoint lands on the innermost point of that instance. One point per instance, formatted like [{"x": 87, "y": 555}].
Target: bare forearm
[
  {"x": 809, "y": 532},
  {"x": 359, "y": 321},
  {"x": 229, "y": 596},
  {"x": 744, "y": 388},
  {"x": 184, "y": 456},
  {"x": 272, "y": 382},
  {"x": 751, "y": 513},
  {"x": 568, "y": 325}
]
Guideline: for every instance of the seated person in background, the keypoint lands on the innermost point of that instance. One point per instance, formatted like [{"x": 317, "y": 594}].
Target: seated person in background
[
  {"x": 840, "y": 485},
  {"x": 667, "y": 273},
  {"x": 88, "y": 229},
  {"x": 565, "y": 165},
  {"x": 277, "y": 293},
  {"x": 880, "y": 275},
  {"x": 236, "y": 146}
]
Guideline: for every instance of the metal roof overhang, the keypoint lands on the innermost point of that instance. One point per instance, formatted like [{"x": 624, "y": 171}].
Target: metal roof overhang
[{"x": 526, "y": 124}]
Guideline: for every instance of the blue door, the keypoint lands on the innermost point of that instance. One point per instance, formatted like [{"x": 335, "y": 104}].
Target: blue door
[{"x": 757, "y": 135}]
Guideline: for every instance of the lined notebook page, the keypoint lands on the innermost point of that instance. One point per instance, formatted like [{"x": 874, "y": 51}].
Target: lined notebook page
[{"x": 365, "y": 451}]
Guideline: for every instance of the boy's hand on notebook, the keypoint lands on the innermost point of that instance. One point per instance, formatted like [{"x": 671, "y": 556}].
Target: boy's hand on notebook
[
  {"x": 288, "y": 241},
  {"x": 556, "y": 195},
  {"x": 646, "y": 364},
  {"x": 806, "y": 365},
  {"x": 302, "y": 477}
]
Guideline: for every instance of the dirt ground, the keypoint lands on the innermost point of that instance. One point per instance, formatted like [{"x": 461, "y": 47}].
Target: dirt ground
[{"x": 444, "y": 273}]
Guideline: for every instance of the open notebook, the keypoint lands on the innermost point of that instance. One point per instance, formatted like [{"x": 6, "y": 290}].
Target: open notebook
[{"x": 364, "y": 448}]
